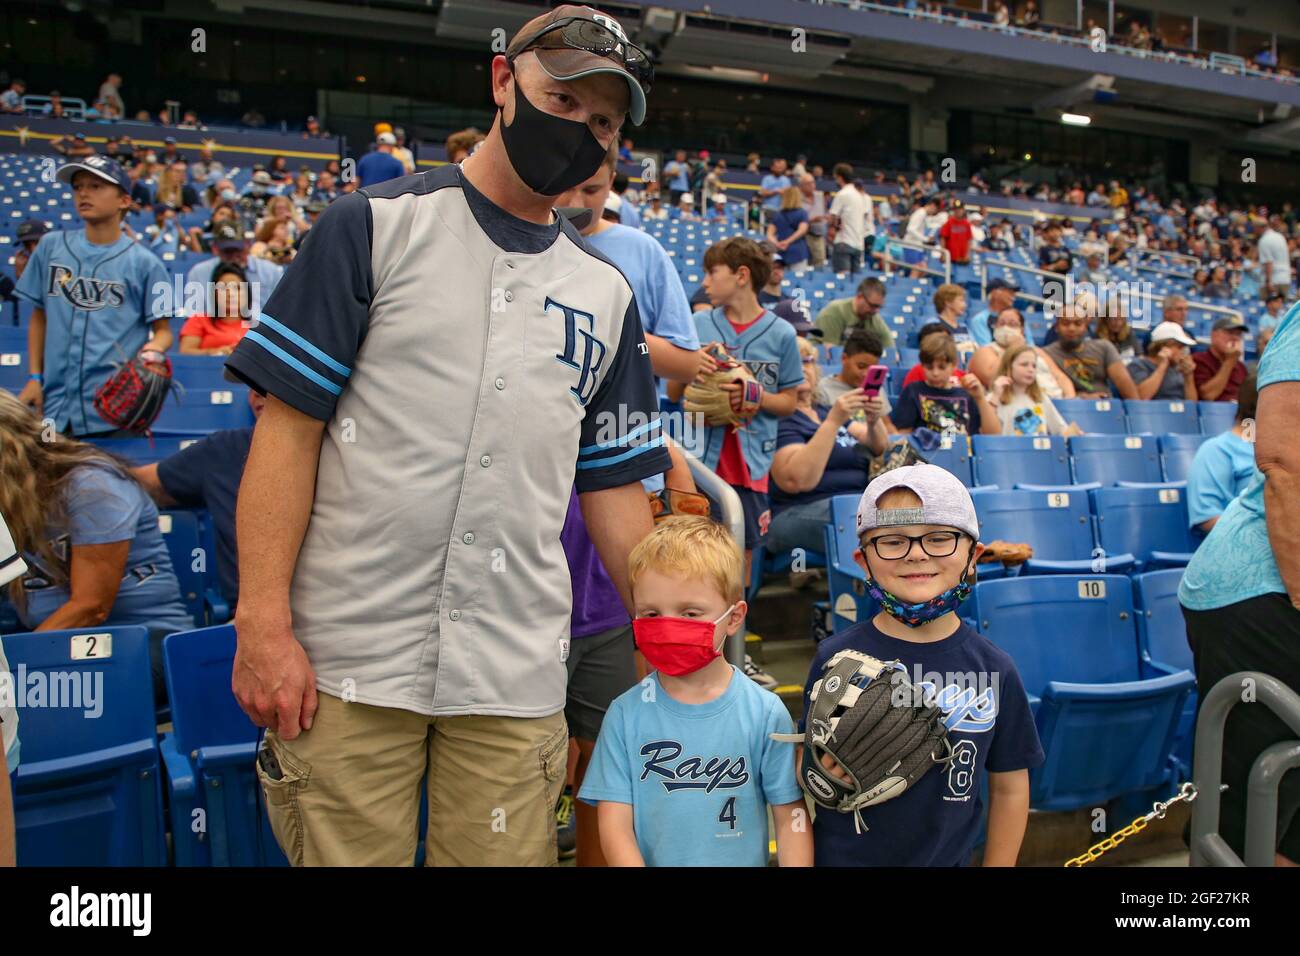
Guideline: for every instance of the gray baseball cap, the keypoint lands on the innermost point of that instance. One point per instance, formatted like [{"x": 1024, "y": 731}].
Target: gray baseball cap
[{"x": 944, "y": 500}]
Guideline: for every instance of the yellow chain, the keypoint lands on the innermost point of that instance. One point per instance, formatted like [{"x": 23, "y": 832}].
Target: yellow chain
[{"x": 1096, "y": 850}]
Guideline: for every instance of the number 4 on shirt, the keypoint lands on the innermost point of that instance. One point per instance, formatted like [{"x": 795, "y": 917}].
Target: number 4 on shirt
[{"x": 728, "y": 814}]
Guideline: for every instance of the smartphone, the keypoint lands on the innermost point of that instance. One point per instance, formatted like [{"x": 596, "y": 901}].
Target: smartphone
[{"x": 874, "y": 380}]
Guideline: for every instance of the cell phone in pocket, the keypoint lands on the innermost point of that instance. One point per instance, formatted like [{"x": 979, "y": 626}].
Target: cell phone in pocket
[{"x": 874, "y": 380}]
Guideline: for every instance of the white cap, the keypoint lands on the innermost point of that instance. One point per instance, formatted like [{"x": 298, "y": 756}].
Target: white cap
[
  {"x": 687, "y": 199},
  {"x": 944, "y": 501},
  {"x": 386, "y": 139},
  {"x": 719, "y": 197},
  {"x": 613, "y": 203},
  {"x": 1171, "y": 331}
]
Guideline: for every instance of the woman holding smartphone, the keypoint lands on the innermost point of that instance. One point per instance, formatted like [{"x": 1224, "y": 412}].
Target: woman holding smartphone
[{"x": 820, "y": 452}]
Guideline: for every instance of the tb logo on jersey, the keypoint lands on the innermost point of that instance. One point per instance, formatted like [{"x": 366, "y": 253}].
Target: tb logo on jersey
[
  {"x": 88, "y": 294},
  {"x": 582, "y": 350}
]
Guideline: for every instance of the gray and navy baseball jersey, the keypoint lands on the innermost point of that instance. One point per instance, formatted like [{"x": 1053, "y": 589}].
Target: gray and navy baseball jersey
[
  {"x": 471, "y": 368},
  {"x": 99, "y": 303}
]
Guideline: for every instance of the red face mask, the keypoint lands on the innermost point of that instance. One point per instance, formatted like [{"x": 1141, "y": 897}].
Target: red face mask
[{"x": 677, "y": 646}]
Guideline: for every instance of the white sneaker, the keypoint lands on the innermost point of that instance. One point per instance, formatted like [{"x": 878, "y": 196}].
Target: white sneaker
[{"x": 760, "y": 677}]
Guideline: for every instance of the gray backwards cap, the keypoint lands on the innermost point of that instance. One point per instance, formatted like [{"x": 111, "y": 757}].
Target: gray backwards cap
[{"x": 944, "y": 501}]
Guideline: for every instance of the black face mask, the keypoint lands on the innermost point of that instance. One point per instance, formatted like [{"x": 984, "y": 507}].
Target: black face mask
[{"x": 551, "y": 154}]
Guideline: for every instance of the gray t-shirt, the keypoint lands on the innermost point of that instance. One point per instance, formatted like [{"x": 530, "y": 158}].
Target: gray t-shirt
[
  {"x": 1171, "y": 388},
  {"x": 830, "y": 388},
  {"x": 1086, "y": 365}
]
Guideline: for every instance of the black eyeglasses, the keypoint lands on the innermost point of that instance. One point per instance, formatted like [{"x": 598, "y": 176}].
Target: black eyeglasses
[
  {"x": 579, "y": 33},
  {"x": 893, "y": 547}
]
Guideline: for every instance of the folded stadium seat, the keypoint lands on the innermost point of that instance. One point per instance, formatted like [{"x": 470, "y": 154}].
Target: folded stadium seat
[
  {"x": 1148, "y": 521},
  {"x": 13, "y": 369},
  {"x": 1105, "y": 729},
  {"x": 1056, "y": 523},
  {"x": 199, "y": 411},
  {"x": 909, "y": 356},
  {"x": 849, "y": 600},
  {"x": 1216, "y": 417},
  {"x": 88, "y": 787},
  {"x": 209, "y": 757},
  {"x": 13, "y": 339},
  {"x": 1106, "y": 459},
  {"x": 1162, "y": 644},
  {"x": 1104, "y": 416},
  {"x": 181, "y": 533},
  {"x": 1009, "y": 460},
  {"x": 1176, "y": 454},
  {"x": 1162, "y": 418}
]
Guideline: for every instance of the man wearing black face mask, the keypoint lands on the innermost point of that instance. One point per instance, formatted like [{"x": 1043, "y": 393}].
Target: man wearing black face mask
[{"x": 445, "y": 359}]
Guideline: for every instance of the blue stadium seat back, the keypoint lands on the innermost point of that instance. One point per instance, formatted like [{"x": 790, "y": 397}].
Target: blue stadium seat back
[
  {"x": 13, "y": 340},
  {"x": 198, "y": 411},
  {"x": 202, "y": 372},
  {"x": 1162, "y": 417},
  {"x": 1216, "y": 417},
  {"x": 953, "y": 454},
  {"x": 88, "y": 787},
  {"x": 141, "y": 451},
  {"x": 1149, "y": 523},
  {"x": 1057, "y": 524},
  {"x": 1095, "y": 416},
  {"x": 1105, "y": 730},
  {"x": 1008, "y": 460},
  {"x": 1177, "y": 453},
  {"x": 1107, "y": 459},
  {"x": 181, "y": 533},
  {"x": 13, "y": 370},
  {"x": 849, "y": 600},
  {"x": 218, "y": 745},
  {"x": 1162, "y": 631}
]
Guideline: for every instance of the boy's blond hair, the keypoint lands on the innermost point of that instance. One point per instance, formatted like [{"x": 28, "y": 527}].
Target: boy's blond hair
[{"x": 694, "y": 547}]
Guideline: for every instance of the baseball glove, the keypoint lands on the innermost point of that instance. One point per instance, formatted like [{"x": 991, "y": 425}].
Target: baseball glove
[
  {"x": 133, "y": 396},
  {"x": 1006, "y": 552},
  {"x": 876, "y": 725},
  {"x": 723, "y": 406}
]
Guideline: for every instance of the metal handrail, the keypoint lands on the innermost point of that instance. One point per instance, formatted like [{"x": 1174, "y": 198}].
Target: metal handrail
[
  {"x": 887, "y": 259},
  {"x": 1166, "y": 254},
  {"x": 1208, "y": 848},
  {"x": 733, "y": 517},
  {"x": 984, "y": 275}
]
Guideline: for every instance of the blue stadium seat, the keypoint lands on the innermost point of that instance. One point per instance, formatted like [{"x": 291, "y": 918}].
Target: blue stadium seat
[
  {"x": 1177, "y": 453},
  {"x": 1148, "y": 522},
  {"x": 1162, "y": 643},
  {"x": 13, "y": 369},
  {"x": 765, "y": 562},
  {"x": 88, "y": 788},
  {"x": 1056, "y": 523},
  {"x": 1096, "y": 417},
  {"x": 955, "y": 457},
  {"x": 181, "y": 532},
  {"x": 1217, "y": 417},
  {"x": 1106, "y": 730},
  {"x": 848, "y": 584},
  {"x": 1008, "y": 460},
  {"x": 1162, "y": 418},
  {"x": 1107, "y": 459},
  {"x": 199, "y": 411},
  {"x": 209, "y": 758},
  {"x": 203, "y": 372},
  {"x": 142, "y": 451}
]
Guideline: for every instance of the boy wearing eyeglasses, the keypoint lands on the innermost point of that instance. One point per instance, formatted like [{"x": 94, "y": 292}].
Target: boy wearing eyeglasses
[{"x": 919, "y": 541}]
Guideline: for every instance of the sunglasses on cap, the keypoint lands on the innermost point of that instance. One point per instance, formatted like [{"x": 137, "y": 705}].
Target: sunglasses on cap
[
  {"x": 668, "y": 502},
  {"x": 579, "y": 33}
]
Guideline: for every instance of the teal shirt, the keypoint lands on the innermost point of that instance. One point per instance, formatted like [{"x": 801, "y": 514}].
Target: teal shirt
[
  {"x": 1236, "y": 562},
  {"x": 1222, "y": 469}
]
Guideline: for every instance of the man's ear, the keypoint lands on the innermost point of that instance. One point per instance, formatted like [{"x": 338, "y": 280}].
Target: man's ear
[{"x": 502, "y": 77}]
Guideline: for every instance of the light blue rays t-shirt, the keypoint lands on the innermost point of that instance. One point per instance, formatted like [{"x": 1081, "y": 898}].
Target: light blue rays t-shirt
[
  {"x": 1236, "y": 562},
  {"x": 699, "y": 777}
]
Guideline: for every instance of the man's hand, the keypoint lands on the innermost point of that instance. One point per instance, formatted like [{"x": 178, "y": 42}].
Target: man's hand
[
  {"x": 1186, "y": 364},
  {"x": 273, "y": 680},
  {"x": 1236, "y": 348},
  {"x": 33, "y": 395}
]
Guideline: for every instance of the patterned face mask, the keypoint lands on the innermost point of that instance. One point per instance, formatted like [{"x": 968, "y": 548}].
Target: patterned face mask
[{"x": 914, "y": 615}]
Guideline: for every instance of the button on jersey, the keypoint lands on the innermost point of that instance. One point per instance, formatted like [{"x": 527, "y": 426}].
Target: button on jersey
[{"x": 465, "y": 388}]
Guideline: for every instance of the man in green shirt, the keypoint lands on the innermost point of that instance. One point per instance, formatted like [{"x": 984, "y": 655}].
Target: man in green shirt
[{"x": 860, "y": 312}]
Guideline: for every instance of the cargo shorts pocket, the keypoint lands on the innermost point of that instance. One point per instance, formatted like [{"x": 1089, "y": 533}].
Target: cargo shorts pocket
[
  {"x": 283, "y": 778},
  {"x": 554, "y": 758}
]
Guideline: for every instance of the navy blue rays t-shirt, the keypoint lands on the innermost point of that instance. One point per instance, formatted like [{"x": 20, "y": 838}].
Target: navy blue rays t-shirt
[{"x": 937, "y": 820}]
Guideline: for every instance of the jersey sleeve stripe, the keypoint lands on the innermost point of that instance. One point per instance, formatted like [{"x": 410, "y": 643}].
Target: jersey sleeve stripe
[
  {"x": 620, "y": 442},
  {"x": 253, "y": 336},
  {"x": 604, "y": 462},
  {"x": 292, "y": 336}
]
